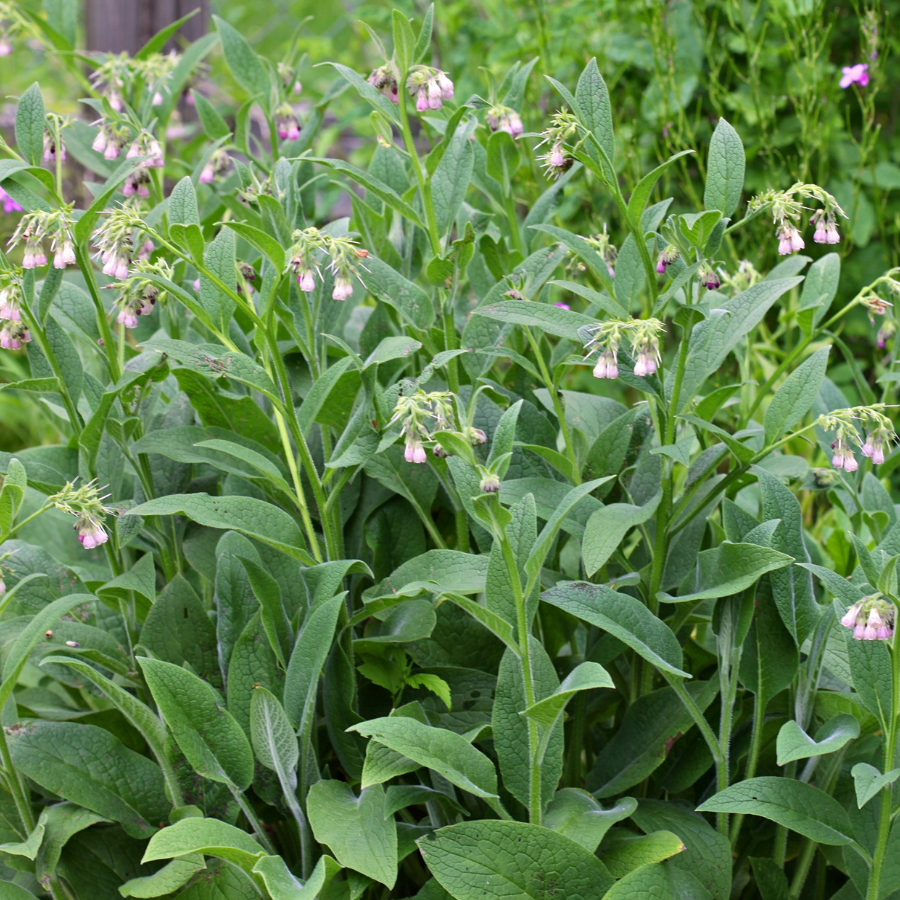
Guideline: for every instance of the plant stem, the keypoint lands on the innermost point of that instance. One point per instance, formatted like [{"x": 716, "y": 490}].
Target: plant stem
[
  {"x": 890, "y": 747},
  {"x": 535, "y": 804},
  {"x": 434, "y": 237},
  {"x": 759, "y": 715},
  {"x": 16, "y": 786}
]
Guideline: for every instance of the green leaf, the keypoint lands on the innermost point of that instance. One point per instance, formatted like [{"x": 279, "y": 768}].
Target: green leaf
[
  {"x": 585, "y": 677},
  {"x": 448, "y": 754},
  {"x": 384, "y": 193},
  {"x": 255, "y": 518},
  {"x": 641, "y": 194},
  {"x": 510, "y": 728},
  {"x": 548, "y": 534},
  {"x": 452, "y": 176},
  {"x": 245, "y": 65},
  {"x": 552, "y": 319},
  {"x": 404, "y": 41},
  {"x": 183, "y": 209},
  {"x": 178, "y": 630},
  {"x": 307, "y": 659},
  {"x": 819, "y": 290},
  {"x": 435, "y": 571},
  {"x": 90, "y": 767},
  {"x": 210, "y": 738},
  {"x": 274, "y": 617},
  {"x": 577, "y": 815},
  {"x": 27, "y": 848},
  {"x": 514, "y": 860},
  {"x": 794, "y": 743},
  {"x": 368, "y": 92},
  {"x": 728, "y": 569},
  {"x": 624, "y": 853},
  {"x": 274, "y": 741},
  {"x": 792, "y": 586},
  {"x": 794, "y": 804},
  {"x": 770, "y": 658},
  {"x": 724, "y": 170},
  {"x": 356, "y": 829},
  {"x": 594, "y": 109},
  {"x": 213, "y": 124},
  {"x": 794, "y": 399},
  {"x": 61, "y": 821},
  {"x": 18, "y": 654},
  {"x": 607, "y": 527},
  {"x": 648, "y": 881},
  {"x": 870, "y": 666},
  {"x": 164, "y": 881},
  {"x": 869, "y": 782},
  {"x": 218, "y": 257},
  {"x": 282, "y": 885},
  {"x": 9, "y": 890},
  {"x": 30, "y": 125},
  {"x": 642, "y": 743},
  {"x": 624, "y": 617},
  {"x": 136, "y": 712},
  {"x": 502, "y": 159},
  {"x": 390, "y": 286},
  {"x": 268, "y": 246},
  {"x": 215, "y": 361},
  {"x": 707, "y": 853},
  {"x": 714, "y": 338},
  {"x": 211, "y": 837}
]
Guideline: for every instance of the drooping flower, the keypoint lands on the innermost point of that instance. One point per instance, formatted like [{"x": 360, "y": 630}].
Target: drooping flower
[
  {"x": 384, "y": 81},
  {"x": 709, "y": 278},
  {"x": 430, "y": 86},
  {"x": 415, "y": 452},
  {"x": 857, "y": 74},
  {"x": 490, "y": 483},
  {"x": 843, "y": 457},
  {"x": 826, "y": 230},
  {"x": 666, "y": 258},
  {"x": 789, "y": 239},
  {"x": 871, "y": 619},
  {"x": 502, "y": 118},
  {"x": 13, "y": 335},
  {"x": 343, "y": 287},
  {"x": 9, "y": 205},
  {"x": 90, "y": 532},
  {"x": 875, "y": 444},
  {"x": 607, "y": 364},
  {"x": 10, "y": 305}
]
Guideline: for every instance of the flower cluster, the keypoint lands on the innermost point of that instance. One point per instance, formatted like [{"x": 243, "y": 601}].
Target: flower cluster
[
  {"x": 138, "y": 293},
  {"x": 216, "y": 167},
  {"x": 857, "y": 74},
  {"x": 13, "y": 333},
  {"x": 422, "y": 415},
  {"x": 563, "y": 129},
  {"x": 384, "y": 81},
  {"x": 871, "y": 619},
  {"x": 36, "y": 227},
  {"x": 502, "y": 118},
  {"x": 86, "y": 504},
  {"x": 287, "y": 123},
  {"x": 344, "y": 256},
  {"x": 709, "y": 278},
  {"x": 787, "y": 212},
  {"x": 606, "y": 337},
  {"x": 431, "y": 87},
  {"x": 114, "y": 241},
  {"x": 843, "y": 422},
  {"x": 665, "y": 259},
  {"x": 120, "y": 78}
]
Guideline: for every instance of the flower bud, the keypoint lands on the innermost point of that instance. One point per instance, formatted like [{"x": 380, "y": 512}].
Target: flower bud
[{"x": 490, "y": 484}]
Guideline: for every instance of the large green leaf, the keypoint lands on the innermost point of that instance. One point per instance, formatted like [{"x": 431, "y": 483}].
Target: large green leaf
[
  {"x": 798, "y": 806},
  {"x": 211, "y": 740},
  {"x": 724, "y": 170},
  {"x": 356, "y": 829},
  {"x": 513, "y": 860},
  {"x": 794, "y": 743},
  {"x": 90, "y": 767},
  {"x": 794, "y": 399},
  {"x": 622, "y": 616},
  {"x": 448, "y": 754},
  {"x": 255, "y": 518},
  {"x": 208, "y": 836},
  {"x": 577, "y": 815}
]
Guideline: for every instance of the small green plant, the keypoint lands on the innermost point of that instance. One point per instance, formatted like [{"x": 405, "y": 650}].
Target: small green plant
[{"x": 435, "y": 550}]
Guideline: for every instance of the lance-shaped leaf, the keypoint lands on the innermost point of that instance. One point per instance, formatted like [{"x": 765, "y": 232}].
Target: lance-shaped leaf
[
  {"x": 794, "y": 804},
  {"x": 447, "y": 753},
  {"x": 624, "y": 617},
  {"x": 585, "y": 677},
  {"x": 208, "y": 735}
]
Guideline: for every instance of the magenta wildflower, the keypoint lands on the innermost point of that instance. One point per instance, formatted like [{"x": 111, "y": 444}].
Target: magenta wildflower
[{"x": 858, "y": 74}]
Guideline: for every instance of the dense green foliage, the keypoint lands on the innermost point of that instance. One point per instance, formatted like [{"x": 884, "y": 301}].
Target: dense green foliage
[{"x": 458, "y": 512}]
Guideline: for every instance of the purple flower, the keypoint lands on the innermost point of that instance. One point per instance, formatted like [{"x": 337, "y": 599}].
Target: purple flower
[
  {"x": 9, "y": 205},
  {"x": 562, "y": 305},
  {"x": 858, "y": 74}
]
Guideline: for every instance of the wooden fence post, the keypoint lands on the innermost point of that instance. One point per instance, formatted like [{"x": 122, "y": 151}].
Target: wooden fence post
[{"x": 116, "y": 25}]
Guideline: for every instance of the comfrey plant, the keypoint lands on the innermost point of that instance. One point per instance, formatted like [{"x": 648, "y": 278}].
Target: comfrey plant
[{"x": 439, "y": 550}]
